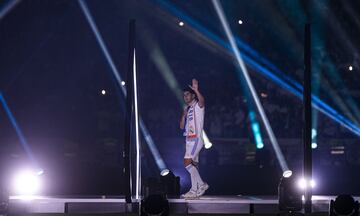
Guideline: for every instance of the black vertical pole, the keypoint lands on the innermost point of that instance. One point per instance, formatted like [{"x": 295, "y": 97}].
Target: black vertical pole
[
  {"x": 129, "y": 110},
  {"x": 307, "y": 115}
]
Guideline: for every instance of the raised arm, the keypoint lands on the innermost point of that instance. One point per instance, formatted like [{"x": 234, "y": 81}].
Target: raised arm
[{"x": 195, "y": 87}]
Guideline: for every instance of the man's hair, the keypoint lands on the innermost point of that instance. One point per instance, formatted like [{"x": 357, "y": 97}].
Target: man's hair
[{"x": 187, "y": 88}]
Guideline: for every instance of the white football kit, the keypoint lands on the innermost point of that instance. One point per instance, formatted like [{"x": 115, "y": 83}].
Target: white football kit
[{"x": 193, "y": 131}]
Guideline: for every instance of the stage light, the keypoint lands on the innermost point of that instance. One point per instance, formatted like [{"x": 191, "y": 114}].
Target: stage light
[
  {"x": 103, "y": 92},
  {"x": 26, "y": 183},
  {"x": 344, "y": 205},
  {"x": 164, "y": 172},
  {"x": 290, "y": 196},
  {"x": 181, "y": 23},
  {"x": 207, "y": 143},
  {"x": 287, "y": 173},
  {"x": 240, "y": 22},
  {"x": 170, "y": 184},
  {"x": 314, "y": 145},
  {"x": 156, "y": 204},
  {"x": 123, "y": 83},
  {"x": 351, "y": 68}
]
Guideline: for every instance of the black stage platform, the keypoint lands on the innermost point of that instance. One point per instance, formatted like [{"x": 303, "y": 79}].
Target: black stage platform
[{"x": 205, "y": 204}]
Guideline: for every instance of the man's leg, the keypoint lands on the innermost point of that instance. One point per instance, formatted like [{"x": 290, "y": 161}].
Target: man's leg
[
  {"x": 194, "y": 173},
  {"x": 188, "y": 166},
  {"x": 202, "y": 186},
  {"x": 195, "y": 159}
]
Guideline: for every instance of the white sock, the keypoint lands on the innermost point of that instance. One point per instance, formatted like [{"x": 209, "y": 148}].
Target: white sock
[
  {"x": 195, "y": 177},
  {"x": 193, "y": 182}
]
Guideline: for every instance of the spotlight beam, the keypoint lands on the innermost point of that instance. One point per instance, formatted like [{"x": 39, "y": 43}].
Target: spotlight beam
[
  {"x": 339, "y": 101},
  {"x": 240, "y": 62},
  {"x": 19, "y": 132},
  {"x": 149, "y": 141},
  {"x": 8, "y": 7},
  {"x": 255, "y": 127}
]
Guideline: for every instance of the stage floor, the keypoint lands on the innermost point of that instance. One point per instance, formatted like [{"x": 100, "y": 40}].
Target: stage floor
[{"x": 205, "y": 204}]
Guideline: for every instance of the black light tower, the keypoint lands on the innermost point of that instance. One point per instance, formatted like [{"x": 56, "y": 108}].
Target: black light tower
[
  {"x": 307, "y": 120},
  {"x": 129, "y": 110}
]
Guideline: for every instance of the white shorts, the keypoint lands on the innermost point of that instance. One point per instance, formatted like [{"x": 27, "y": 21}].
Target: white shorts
[{"x": 193, "y": 148}]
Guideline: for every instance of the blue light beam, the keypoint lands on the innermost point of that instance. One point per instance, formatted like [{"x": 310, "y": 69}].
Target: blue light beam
[{"x": 20, "y": 134}]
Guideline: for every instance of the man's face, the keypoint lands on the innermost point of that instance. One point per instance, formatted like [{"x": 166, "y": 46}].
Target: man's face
[{"x": 188, "y": 97}]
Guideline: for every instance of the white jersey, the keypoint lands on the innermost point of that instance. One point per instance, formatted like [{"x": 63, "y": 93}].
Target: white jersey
[
  {"x": 194, "y": 140},
  {"x": 197, "y": 113}
]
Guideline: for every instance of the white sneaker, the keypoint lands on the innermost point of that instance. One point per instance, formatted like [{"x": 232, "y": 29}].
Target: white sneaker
[
  {"x": 190, "y": 195},
  {"x": 202, "y": 189}
]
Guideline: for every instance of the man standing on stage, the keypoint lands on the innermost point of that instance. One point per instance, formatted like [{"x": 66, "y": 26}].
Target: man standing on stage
[{"x": 192, "y": 120}]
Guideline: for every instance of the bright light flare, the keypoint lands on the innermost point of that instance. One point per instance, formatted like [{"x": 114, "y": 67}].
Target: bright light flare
[
  {"x": 181, "y": 23},
  {"x": 351, "y": 68},
  {"x": 240, "y": 22},
  {"x": 40, "y": 172},
  {"x": 312, "y": 183},
  {"x": 303, "y": 184},
  {"x": 312, "y": 198},
  {"x": 103, "y": 92},
  {"x": 27, "y": 183}
]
